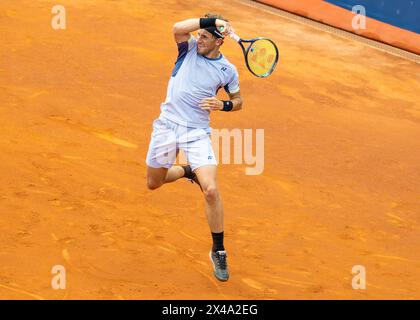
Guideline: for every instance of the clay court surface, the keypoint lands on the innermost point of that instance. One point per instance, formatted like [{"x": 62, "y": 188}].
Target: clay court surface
[{"x": 341, "y": 184}]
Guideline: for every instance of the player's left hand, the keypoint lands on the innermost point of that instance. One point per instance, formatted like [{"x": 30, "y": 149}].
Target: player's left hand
[{"x": 212, "y": 104}]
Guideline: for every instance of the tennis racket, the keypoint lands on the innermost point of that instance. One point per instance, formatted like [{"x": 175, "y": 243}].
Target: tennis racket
[{"x": 261, "y": 56}]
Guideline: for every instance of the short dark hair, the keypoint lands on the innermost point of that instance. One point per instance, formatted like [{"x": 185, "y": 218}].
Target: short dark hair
[{"x": 215, "y": 15}]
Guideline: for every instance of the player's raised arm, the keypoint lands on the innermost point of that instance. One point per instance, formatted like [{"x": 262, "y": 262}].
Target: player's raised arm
[{"x": 182, "y": 29}]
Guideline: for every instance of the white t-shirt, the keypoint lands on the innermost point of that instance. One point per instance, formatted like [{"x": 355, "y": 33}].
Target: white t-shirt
[{"x": 194, "y": 78}]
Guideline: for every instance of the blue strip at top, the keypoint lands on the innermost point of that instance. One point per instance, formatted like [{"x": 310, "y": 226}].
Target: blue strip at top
[
  {"x": 182, "y": 53},
  {"x": 404, "y": 14}
]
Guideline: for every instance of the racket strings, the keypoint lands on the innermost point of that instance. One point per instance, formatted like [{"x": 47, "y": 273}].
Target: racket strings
[{"x": 262, "y": 57}]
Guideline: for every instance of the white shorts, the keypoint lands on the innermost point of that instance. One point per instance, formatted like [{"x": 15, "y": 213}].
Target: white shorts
[{"x": 169, "y": 137}]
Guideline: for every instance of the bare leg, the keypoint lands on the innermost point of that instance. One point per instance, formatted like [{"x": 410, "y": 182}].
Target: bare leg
[
  {"x": 214, "y": 210},
  {"x": 214, "y": 206},
  {"x": 156, "y": 177},
  {"x": 174, "y": 173}
]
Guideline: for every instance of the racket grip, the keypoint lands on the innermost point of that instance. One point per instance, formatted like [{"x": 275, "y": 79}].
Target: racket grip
[
  {"x": 235, "y": 37},
  {"x": 232, "y": 35}
]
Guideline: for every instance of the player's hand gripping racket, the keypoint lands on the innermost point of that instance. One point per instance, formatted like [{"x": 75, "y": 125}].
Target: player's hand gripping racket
[{"x": 260, "y": 57}]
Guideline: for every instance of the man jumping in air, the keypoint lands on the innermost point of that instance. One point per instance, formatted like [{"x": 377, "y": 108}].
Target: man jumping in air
[{"x": 200, "y": 71}]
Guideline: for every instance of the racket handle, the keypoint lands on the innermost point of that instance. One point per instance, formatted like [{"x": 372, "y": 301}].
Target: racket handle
[
  {"x": 235, "y": 37},
  {"x": 232, "y": 35}
]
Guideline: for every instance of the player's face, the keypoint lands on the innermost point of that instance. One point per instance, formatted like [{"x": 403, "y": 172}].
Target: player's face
[{"x": 206, "y": 42}]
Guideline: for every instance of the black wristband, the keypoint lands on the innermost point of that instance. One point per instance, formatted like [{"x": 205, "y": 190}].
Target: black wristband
[
  {"x": 207, "y": 23},
  {"x": 227, "y": 105}
]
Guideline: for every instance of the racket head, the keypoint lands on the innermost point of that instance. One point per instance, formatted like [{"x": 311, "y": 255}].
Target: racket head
[{"x": 261, "y": 57}]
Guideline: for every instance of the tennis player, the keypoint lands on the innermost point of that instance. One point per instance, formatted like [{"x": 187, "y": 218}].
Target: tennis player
[{"x": 200, "y": 71}]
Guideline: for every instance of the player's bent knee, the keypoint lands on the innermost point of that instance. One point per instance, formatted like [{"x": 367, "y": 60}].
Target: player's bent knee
[
  {"x": 211, "y": 193},
  {"x": 153, "y": 184}
]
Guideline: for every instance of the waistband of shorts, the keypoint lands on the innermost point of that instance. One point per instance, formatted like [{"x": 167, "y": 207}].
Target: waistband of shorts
[{"x": 187, "y": 124}]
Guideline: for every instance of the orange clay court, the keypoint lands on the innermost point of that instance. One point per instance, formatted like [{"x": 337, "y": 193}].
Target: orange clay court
[{"x": 340, "y": 187}]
